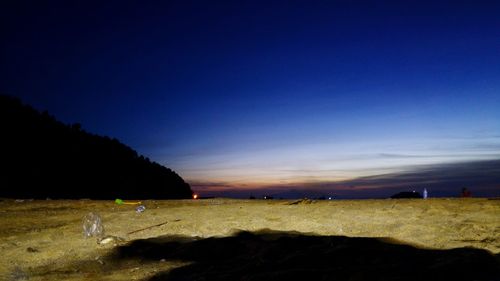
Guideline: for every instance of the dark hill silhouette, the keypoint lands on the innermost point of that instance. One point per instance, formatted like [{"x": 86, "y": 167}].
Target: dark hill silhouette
[{"x": 42, "y": 157}]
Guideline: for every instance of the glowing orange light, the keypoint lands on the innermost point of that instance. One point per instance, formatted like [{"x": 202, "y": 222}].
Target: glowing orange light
[{"x": 195, "y": 196}]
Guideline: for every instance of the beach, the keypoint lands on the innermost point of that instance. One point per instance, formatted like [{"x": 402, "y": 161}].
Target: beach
[{"x": 229, "y": 239}]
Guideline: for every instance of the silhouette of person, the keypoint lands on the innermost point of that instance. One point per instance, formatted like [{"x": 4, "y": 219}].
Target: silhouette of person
[{"x": 466, "y": 193}]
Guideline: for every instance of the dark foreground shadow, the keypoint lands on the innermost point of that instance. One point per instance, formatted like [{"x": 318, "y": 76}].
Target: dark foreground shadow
[{"x": 269, "y": 255}]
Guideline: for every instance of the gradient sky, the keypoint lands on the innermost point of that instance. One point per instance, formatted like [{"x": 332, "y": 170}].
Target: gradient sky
[{"x": 325, "y": 97}]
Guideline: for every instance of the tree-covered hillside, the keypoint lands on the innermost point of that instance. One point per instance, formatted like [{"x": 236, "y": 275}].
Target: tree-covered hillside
[{"x": 41, "y": 157}]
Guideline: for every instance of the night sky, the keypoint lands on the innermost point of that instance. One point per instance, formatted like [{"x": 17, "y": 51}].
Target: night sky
[{"x": 356, "y": 99}]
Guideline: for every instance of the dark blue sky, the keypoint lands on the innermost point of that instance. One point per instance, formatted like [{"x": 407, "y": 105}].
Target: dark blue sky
[{"x": 241, "y": 95}]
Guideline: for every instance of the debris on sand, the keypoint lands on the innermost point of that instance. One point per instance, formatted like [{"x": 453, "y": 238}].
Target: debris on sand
[
  {"x": 149, "y": 227},
  {"x": 92, "y": 225},
  {"x": 115, "y": 240},
  {"x": 140, "y": 209},
  {"x": 32, "y": 250},
  {"x": 301, "y": 202}
]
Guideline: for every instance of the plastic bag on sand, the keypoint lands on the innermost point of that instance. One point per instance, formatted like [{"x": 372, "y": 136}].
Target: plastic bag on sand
[
  {"x": 140, "y": 209},
  {"x": 92, "y": 226}
]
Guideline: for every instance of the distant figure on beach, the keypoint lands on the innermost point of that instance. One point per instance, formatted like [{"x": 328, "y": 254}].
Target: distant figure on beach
[{"x": 466, "y": 193}]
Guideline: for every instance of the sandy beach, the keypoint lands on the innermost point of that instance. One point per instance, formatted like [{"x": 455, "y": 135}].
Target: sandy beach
[{"x": 226, "y": 239}]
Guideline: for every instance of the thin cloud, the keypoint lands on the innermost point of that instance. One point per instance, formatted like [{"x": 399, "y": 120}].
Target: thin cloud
[{"x": 446, "y": 179}]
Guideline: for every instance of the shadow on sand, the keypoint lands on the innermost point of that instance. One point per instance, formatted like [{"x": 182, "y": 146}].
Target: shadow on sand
[{"x": 271, "y": 255}]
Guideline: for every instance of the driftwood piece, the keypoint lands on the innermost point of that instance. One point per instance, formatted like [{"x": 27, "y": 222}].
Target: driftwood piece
[{"x": 149, "y": 227}]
